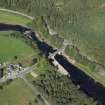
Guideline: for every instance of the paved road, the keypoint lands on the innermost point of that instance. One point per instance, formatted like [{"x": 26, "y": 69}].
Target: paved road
[
  {"x": 17, "y": 74},
  {"x": 16, "y": 12}
]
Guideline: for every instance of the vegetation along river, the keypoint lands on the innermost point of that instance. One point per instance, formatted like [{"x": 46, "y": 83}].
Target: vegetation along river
[{"x": 78, "y": 77}]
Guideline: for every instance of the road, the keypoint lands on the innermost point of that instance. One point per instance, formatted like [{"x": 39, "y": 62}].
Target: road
[
  {"x": 17, "y": 74},
  {"x": 34, "y": 89},
  {"x": 21, "y": 74},
  {"x": 16, "y": 12}
]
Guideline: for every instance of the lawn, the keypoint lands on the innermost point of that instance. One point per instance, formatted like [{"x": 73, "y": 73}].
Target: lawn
[
  {"x": 10, "y": 47},
  {"x": 11, "y": 18},
  {"x": 17, "y": 93}
]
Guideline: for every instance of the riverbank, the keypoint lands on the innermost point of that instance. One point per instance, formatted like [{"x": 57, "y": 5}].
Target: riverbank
[
  {"x": 79, "y": 77},
  {"x": 97, "y": 76},
  {"x": 85, "y": 82}
]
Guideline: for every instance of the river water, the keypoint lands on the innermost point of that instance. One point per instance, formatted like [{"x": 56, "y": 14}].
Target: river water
[{"x": 78, "y": 77}]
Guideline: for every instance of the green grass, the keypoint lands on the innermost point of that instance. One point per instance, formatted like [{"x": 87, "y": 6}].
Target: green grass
[
  {"x": 17, "y": 93},
  {"x": 42, "y": 66},
  {"x": 10, "y": 47},
  {"x": 11, "y": 18}
]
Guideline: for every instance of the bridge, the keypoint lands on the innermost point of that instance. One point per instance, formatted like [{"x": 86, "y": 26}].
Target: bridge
[{"x": 56, "y": 63}]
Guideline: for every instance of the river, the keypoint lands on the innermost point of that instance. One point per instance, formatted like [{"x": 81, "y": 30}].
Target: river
[{"x": 78, "y": 77}]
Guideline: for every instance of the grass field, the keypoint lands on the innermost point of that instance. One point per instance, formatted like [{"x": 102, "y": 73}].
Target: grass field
[
  {"x": 11, "y": 18},
  {"x": 10, "y": 47},
  {"x": 17, "y": 93}
]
